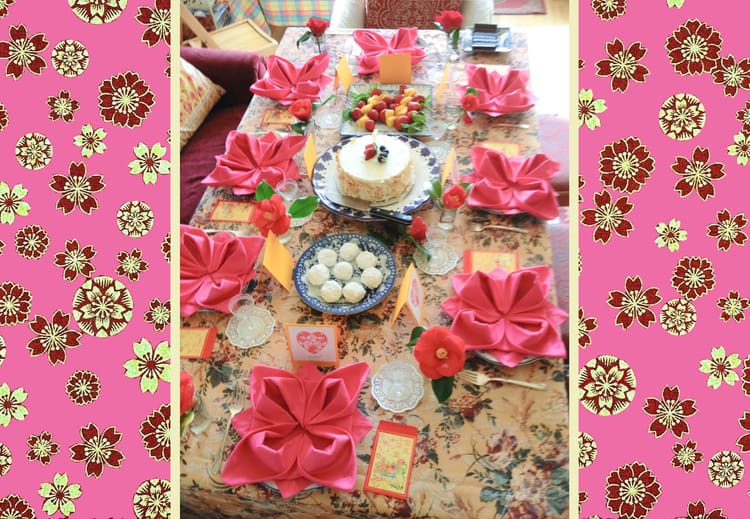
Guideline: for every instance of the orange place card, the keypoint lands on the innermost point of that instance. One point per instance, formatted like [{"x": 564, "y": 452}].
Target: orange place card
[
  {"x": 343, "y": 75},
  {"x": 403, "y": 293},
  {"x": 278, "y": 116},
  {"x": 442, "y": 86},
  {"x": 510, "y": 149},
  {"x": 197, "y": 343},
  {"x": 392, "y": 459},
  {"x": 415, "y": 300},
  {"x": 313, "y": 343},
  {"x": 310, "y": 155},
  {"x": 449, "y": 166},
  {"x": 278, "y": 261},
  {"x": 395, "y": 68},
  {"x": 487, "y": 260},
  {"x": 231, "y": 211}
]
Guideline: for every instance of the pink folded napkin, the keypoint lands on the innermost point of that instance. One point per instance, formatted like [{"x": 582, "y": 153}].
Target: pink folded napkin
[
  {"x": 507, "y": 314},
  {"x": 374, "y": 45},
  {"x": 513, "y": 185},
  {"x": 214, "y": 269},
  {"x": 498, "y": 93},
  {"x": 302, "y": 429},
  {"x": 286, "y": 83},
  {"x": 248, "y": 160}
]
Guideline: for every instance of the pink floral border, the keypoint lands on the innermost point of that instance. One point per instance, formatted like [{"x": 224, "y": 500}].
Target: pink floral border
[
  {"x": 664, "y": 108},
  {"x": 84, "y": 259}
]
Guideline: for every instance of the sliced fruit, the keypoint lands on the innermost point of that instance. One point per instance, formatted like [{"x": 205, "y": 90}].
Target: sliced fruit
[
  {"x": 369, "y": 125},
  {"x": 373, "y": 114}
]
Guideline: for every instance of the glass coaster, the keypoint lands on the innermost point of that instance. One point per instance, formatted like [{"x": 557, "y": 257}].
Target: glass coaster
[
  {"x": 397, "y": 386},
  {"x": 299, "y": 222},
  {"x": 250, "y": 325},
  {"x": 443, "y": 259}
]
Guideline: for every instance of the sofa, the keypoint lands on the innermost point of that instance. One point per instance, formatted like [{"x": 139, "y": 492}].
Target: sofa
[
  {"x": 392, "y": 14},
  {"x": 234, "y": 71}
]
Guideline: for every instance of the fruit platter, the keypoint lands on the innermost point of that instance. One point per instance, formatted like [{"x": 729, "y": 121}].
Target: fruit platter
[{"x": 389, "y": 108}]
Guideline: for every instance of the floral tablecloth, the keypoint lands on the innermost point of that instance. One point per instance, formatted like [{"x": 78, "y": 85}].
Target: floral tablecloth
[{"x": 489, "y": 451}]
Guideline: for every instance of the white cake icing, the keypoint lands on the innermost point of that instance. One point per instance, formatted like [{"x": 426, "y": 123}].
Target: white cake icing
[{"x": 372, "y": 180}]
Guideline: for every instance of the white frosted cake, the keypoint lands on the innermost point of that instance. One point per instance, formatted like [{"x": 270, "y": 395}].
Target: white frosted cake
[{"x": 384, "y": 176}]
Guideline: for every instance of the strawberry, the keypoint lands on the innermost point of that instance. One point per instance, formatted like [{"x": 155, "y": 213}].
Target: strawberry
[
  {"x": 401, "y": 119},
  {"x": 418, "y": 98},
  {"x": 361, "y": 104},
  {"x": 373, "y": 114},
  {"x": 413, "y": 106},
  {"x": 369, "y": 126},
  {"x": 356, "y": 113},
  {"x": 383, "y": 114},
  {"x": 380, "y": 106},
  {"x": 402, "y": 88},
  {"x": 375, "y": 92}
]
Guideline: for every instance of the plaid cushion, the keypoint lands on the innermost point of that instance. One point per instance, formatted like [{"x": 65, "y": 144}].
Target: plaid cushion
[
  {"x": 295, "y": 14},
  {"x": 392, "y": 14}
]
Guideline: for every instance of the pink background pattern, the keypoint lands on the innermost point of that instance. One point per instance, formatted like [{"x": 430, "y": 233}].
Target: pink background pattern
[
  {"x": 113, "y": 48},
  {"x": 624, "y": 441}
]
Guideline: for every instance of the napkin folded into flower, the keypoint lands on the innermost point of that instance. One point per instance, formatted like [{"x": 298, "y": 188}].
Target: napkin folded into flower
[
  {"x": 249, "y": 159},
  {"x": 302, "y": 429},
  {"x": 213, "y": 269},
  {"x": 500, "y": 94},
  {"x": 507, "y": 314},
  {"x": 285, "y": 83},
  {"x": 512, "y": 185},
  {"x": 374, "y": 45}
]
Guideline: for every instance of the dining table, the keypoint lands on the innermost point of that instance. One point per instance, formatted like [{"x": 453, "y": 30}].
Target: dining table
[{"x": 491, "y": 451}]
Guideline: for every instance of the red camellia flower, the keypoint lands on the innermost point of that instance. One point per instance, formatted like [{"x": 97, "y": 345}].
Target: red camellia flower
[
  {"x": 418, "y": 229},
  {"x": 439, "y": 353},
  {"x": 632, "y": 491},
  {"x": 469, "y": 102},
  {"x": 270, "y": 215},
  {"x": 301, "y": 109},
  {"x": 317, "y": 27},
  {"x": 454, "y": 197},
  {"x": 670, "y": 412},
  {"x": 450, "y": 20},
  {"x": 187, "y": 390}
]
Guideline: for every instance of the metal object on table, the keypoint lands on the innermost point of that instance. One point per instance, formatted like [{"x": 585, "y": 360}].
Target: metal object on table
[
  {"x": 522, "y": 126},
  {"x": 478, "y": 227},
  {"x": 235, "y": 407},
  {"x": 377, "y": 212},
  {"x": 480, "y": 379}
]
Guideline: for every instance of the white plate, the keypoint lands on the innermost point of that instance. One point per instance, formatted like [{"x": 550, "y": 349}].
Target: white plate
[
  {"x": 350, "y": 128},
  {"x": 486, "y": 355},
  {"x": 397, "y": 386}
]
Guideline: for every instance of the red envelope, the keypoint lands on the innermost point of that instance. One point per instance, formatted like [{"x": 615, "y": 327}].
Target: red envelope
[
  {"x": 374, "y": 45},
  {"x": 512, "y": 185},
  {"x": 498, "y": 93},
  {"x": 286, "y": 83},
  {"x": 248, "y": 160}
]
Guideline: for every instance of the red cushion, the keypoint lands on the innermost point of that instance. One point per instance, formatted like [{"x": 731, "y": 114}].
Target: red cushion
[{"x": 392, "y": 14}]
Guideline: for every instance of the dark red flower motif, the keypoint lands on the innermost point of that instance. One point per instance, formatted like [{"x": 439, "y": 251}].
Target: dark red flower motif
[
  {"x": 742, "y": 115},
  {"x": 62, "y": 106},
  {"x": 3, "y": 117},
  {"x": 732, "y": 74},
  {"x": 166, "y": 247},
  {"x": 131, "y": 264},
  {"x": 22, "y": 52},
  {"x": 585, "y": 325},
  {"x": 31, "y": 242},
  {"x": 634, "y": 303},
  {"x": 4, "y": 4},
  {"x": 125, "y": 99},
  {"x": 686, "y": 455},
  {"x": 623, "y": 65},
  {"x": 670, "y": 412},
  {"x": 97, "y": 11},
  {"x": 693, "y": 277},
  {"x": 157, "y": 22},
  {"x": 155, "y": 434},
  {"x": 608, "y": 9},
  {"x": 728, "y": 229},
  {"x": 632, "y": 491},
  {"x": 77, "y": 189},
  {"x": 83, "y": 387},
  {"x": 697, "y": 174},
  {"x": 14, "y": 506},
  {"x": 743, "y": 442},
  {"x": 746, "y": 377},
  {"x": 625, "y": 164},
  {"x": 75, "y": 260},
  {"x": 52, "y": 338},
  {"x": 733, "y": 306},
  {"x": 418, "y": 229},
  {"x": 15, "y": 304},
  {"x": 697, "y": 510},
  {"x": 694, "y": 48},
  {"x": 158, "y": 314},
  {"x": 96, "y": 450},
  {"x": 41, "y": 448},
  {"x": 682, "y": 116},
  {"x": 608, "y": 217}
]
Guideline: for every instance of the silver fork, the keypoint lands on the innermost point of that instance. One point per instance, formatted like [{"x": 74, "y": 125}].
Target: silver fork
[
  {"x": 480, "y": 379},
  {"x": 478, "y": 227},
  {"x": 235, "y": 406}
]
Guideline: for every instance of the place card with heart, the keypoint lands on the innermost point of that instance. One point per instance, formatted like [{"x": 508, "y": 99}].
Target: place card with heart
[{"x": 313, "y": 343}]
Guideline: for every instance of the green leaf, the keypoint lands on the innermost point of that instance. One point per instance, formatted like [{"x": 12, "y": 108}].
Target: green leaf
[
  {"x": 443, "y": 388},
  {"x": 557, "y": 500},
  {"x": 471, "y": 90},
  {"x": 299, "y": 127},
  {"x": 264, "y": 191},
  {"x": 436, "y": 190},
  {"x": 185, "y": 421},
  {"x": 415, "y": 334},
  {"x": 347, "y": 114},
  {"x": 304, "y": 38},
  {"x": 303, "y": 207},
  {"x": 454, "y": 38},
  {"x": 466, "y": 186},
  {"x": 489, "y": 494}
]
